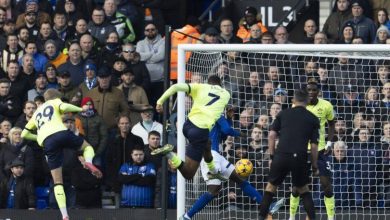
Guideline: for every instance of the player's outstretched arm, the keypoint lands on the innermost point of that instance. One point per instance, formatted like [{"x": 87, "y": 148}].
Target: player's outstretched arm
[
  {"x": 26, "y": 134},
  {"x": 179, "y": 87},
  {"x": 226, "y": 128},
  {"x": 66, "y": 107}
]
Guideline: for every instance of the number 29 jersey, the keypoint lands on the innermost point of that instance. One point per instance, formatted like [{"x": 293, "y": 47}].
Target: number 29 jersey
[
  {"x": 47, "y": 120},
  {"x": 209, "y": 102}
]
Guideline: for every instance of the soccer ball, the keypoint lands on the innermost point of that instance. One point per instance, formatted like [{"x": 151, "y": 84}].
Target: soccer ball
[{"x": 244, "y": 168}]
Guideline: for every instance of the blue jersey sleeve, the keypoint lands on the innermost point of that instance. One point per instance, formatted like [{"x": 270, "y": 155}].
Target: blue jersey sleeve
[
  {"x": 221, "y": 129},
  {"x": 226, "y": 127}
]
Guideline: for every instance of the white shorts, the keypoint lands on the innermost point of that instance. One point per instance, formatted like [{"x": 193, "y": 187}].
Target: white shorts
[{"x": 226, "y": 168}]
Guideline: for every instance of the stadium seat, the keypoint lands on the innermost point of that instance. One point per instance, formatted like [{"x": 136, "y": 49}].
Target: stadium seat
[{"x": 42, "y": 197}]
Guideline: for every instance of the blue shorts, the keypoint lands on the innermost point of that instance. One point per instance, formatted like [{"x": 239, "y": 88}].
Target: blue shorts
[
  {"x": 197, "y": 138},
  {"x": 324, "y": 164},
  {"x": 54, "y": 144}
]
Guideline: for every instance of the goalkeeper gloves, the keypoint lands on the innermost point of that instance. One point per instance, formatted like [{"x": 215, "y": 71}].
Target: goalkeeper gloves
[{"x": 328, "y": 147}]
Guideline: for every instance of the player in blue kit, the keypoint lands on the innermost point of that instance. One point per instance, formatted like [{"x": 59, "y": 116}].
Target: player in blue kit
[{"x": 222, "y": 129}]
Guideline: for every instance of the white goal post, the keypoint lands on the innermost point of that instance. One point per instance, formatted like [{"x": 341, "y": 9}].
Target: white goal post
[{"x": 368, "y": 51}]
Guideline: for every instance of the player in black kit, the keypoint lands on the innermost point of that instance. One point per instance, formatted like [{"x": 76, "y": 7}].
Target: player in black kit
[{"x": 295, "y": 127}]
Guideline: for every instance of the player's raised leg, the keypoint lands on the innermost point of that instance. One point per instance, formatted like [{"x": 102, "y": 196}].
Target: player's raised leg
[
  {"x": 187, "y": 168},
  {"x": 199, "y": 146},
  {"x": 88, "y": 155}
]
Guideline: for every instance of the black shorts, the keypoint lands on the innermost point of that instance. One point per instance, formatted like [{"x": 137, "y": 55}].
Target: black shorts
[
  {"x": 323, "y": 163},
  {"x": 284, "y": 163},
  {"x": 197, "y": 138},
  {"x": 54, "y": 144}
]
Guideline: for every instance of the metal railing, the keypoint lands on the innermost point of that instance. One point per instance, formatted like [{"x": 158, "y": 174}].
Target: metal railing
[{"x": 209, "y": 10}]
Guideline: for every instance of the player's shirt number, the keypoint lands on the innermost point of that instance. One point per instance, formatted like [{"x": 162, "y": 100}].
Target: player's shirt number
[
  {"x": 214, "y": 98},
  {"x": 44, "y": 116}
]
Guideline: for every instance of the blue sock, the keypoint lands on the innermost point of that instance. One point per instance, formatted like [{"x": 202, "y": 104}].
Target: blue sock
[
  {"x": 200, "y": 204},
  {"x": 251, "y": 192}
]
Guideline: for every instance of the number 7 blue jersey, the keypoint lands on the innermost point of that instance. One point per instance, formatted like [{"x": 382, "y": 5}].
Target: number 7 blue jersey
[
  {"x": 47, "y": 120},
  {"x": 209, "y": 102}
]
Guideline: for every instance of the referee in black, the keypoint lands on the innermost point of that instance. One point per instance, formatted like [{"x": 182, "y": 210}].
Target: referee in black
[{"x": 296, "y": 127}]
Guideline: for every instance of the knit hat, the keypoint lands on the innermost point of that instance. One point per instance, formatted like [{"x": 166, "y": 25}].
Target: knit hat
[
  {"x": 87, "y": 99},
  {"x": 251, "y": 10},
  {"x": 90, "y": 66},
  {"x": 349, "y": 24},
  {"x": 356, "y": 3},
  {"x": 29, "y": 2},
  {"x": 211, "y": 31},
  {"x": 383, "y": 28}
]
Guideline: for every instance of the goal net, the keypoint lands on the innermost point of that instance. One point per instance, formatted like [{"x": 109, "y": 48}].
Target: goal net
[{"x": 261, "y": 80}]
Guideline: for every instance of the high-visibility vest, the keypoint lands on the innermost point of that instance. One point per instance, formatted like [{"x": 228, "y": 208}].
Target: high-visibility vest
[
  {"x": 245, "y": 34},
  {"x": 176, "y": 39}
]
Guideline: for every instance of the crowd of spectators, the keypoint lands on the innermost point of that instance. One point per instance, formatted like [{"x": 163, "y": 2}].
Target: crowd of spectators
[{"x": 102, "y": 56}]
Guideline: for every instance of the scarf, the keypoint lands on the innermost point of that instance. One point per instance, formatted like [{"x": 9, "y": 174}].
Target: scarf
[{"x": 89, "y": 113}]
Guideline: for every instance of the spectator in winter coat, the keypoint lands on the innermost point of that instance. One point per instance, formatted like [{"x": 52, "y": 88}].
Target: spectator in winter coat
[
  {"x": 121, "y": 23},
  {"x": 99, "y": 27},
  {"x": 133, "y": 60},
  {"x": 364, "y": 26},
  {"x": 74, "y": 65},
  {"x": 46, "y": 33},
  {"x": 151, "y": 50},
  {"x": 109, "y": 101},
  {"x": 367, "y": 164},
  {"x": 342, "y": 174},
  {"x": 227, "y": 36},
  {"x": 19, "y": 82},
  {"x": 28, "y": 111},
  {"x": 12, "y": 52},
  {"x": 135, "y": 95},
  {"x": 147, "y": 124},
  {"x": 249, "y": 19},
  {"x": 10, "y": 106},
  {"x": 40, "y": 87},
  {"x": 54, "y": 54},
  {"x": 90, "y": 80},
  {"x": 111, "y": 50},
  {"x": 17, "y": 191},
  {"x": 94, "y": 128},
  {"x": 119, "y": 151},
  {"x": 16, "y": 148},
  {"x": 333, "y": 26}
]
